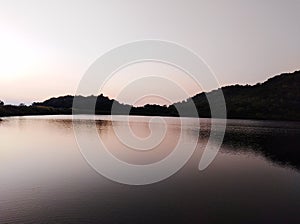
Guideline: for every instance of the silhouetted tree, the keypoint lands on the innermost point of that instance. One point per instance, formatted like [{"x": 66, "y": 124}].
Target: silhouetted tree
[
  {"x": 277, "y": 98},
  {"x": 1, "y": 103}
]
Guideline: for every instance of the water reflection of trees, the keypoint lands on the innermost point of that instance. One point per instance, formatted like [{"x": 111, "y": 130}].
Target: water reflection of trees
[
  {"x": 279, "y": 143},
  {"x": 280, "y": 146}
]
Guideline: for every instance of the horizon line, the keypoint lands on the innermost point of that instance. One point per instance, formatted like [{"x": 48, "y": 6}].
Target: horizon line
[{"x": 205, "y": 92}]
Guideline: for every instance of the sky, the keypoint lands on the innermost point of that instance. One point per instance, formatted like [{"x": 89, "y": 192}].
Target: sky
[{"x": 47, "y": 46}]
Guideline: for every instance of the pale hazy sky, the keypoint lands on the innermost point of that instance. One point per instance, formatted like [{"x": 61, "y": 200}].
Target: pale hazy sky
[{"x": 46, "y": 46}]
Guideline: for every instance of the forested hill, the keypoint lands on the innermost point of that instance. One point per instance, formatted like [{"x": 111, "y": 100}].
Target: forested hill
[{"x": 276, "y": 99}]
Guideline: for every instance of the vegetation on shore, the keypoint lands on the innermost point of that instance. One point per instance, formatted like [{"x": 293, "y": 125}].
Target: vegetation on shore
[{"x": 276, "y": 99}]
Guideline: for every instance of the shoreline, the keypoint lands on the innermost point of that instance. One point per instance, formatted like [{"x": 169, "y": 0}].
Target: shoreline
[{"x": 143, "y": 115}]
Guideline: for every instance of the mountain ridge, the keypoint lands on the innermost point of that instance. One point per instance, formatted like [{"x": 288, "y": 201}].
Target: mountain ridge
[{"x": 278, "y": 98}]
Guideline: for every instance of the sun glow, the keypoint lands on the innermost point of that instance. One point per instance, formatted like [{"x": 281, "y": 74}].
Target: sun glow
[{"x": 18, "y": 56}]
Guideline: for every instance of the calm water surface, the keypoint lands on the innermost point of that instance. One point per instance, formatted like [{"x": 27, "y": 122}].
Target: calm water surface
[{"x": 255, "y": 178}]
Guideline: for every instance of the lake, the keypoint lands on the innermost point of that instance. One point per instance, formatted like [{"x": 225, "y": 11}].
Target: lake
[{"x": 255, "y": 177}]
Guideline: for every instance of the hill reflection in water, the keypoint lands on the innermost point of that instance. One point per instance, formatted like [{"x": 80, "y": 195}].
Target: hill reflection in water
[{"x": 45, "y": 179}]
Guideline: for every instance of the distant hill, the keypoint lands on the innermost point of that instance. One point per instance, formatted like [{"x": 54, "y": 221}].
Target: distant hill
[
  {"x": 276, "y": 99},
  {"x": 104, "y": 105}
]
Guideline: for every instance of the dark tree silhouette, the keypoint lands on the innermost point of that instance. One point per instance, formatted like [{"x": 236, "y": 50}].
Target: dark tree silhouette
[{"x": 276, "y": 99}]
